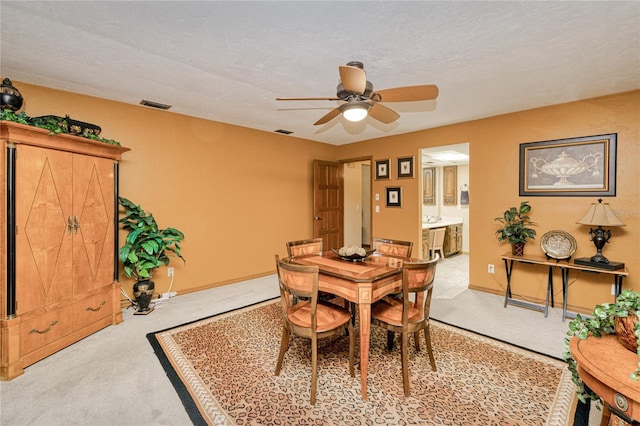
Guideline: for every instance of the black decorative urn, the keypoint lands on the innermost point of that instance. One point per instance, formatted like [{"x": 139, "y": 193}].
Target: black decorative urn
[
  {"x": 143, "y": 292},
  {"x": 10, "y": 97}
]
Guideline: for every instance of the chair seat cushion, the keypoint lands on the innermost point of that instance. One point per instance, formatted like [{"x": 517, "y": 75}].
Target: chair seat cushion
[
  {"x": 328, "y": 316},
  {"x": 389, "y": 310}
]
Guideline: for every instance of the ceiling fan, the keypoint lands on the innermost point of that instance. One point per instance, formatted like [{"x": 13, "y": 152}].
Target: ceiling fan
[{"x": 360, "y": 100}]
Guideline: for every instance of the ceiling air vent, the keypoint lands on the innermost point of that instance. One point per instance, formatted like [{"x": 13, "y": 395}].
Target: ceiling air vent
[
  {"x": 156, "y": 105},
  {"x": 284, "y": 132}
]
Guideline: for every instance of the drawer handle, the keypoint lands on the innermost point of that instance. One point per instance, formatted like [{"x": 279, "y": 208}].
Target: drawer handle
[
  {"x": 90, "y": 309},
  {"x": 35, "y": 331}
]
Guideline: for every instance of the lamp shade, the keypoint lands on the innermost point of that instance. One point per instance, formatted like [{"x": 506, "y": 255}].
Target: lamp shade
[
  {"x": 355, "y": 111},
  {"x": 600, "y": 214}
]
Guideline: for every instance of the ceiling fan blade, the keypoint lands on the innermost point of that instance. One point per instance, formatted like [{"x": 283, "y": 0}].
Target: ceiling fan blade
[
  {"x": 328, "y": 117},
  {"x": 383, "y": 113},
  {"x": 308, "y": 99},
  {"x": 407, "y": 94},
  {"x": 353, "y": 79}
]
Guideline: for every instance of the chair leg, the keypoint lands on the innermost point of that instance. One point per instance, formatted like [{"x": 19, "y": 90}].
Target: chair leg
[
  {"x": 284, "y": 345},
  {"x": 314, "y": 368},
  {"x": 390, "y": 339},
  {"x": 405, "y": 363},
  {"x": 416, "y": 339},
  {"x": 432, "y": 360}
]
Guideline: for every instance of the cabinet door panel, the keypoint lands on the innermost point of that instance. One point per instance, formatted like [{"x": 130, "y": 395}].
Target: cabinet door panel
[
  {"x": 43, "y": 243},
  {"x": 93, "y": 240}
]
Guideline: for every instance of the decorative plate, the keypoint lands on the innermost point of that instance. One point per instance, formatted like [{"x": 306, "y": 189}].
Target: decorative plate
[
  {"x": 354, "y": 257},
  {"x": 558, "y": 244}
]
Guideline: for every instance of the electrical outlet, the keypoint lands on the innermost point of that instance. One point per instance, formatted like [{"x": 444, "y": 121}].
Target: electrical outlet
[
  {"x": 170, "y": 271},
  {"x": 491, "y": 269}
]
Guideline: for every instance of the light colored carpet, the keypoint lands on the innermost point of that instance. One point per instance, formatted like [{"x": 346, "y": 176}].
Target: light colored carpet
[{"x": 227, "y": 364}]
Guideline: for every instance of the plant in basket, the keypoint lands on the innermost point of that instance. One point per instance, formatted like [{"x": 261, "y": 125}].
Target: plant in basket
[
  {"x": 516, "y": 227},
  {"x": 620, "y": 318}
]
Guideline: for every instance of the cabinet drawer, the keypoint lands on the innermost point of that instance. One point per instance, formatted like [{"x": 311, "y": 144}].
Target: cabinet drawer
[
  {"x": 92, "y": 308},
  {"x": 45, "y": 329}
]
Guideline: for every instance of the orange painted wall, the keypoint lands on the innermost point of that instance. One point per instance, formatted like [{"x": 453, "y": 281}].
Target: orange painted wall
[
  {"x": 493, "y": 181},
  {"x": 237, "y": 194}
]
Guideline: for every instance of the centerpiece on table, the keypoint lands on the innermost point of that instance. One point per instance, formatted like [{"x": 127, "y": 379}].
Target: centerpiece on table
[{"x": 353, "y": 253}]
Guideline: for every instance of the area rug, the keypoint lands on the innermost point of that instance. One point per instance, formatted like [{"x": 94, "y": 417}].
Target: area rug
[{"x": 223, "y": 369}]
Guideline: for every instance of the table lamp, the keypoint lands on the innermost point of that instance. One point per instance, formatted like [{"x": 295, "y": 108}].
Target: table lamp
[{"x": 600, "y": 214}]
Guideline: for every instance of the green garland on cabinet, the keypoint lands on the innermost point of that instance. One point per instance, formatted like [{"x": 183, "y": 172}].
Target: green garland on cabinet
[{"x": 53, "y": 126}]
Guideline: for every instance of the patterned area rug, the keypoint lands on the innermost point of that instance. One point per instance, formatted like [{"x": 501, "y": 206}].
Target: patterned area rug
[{"x": 223, "y": 366}]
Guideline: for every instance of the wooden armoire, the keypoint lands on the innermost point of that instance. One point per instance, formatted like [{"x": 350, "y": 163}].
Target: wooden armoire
[{"x": 58, "y": 242}]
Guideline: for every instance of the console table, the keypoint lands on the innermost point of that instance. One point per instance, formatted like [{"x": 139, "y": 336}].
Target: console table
[{"x": 565, "y": 267}]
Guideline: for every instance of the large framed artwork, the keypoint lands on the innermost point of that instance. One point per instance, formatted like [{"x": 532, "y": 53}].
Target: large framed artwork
[
  {"x": 383, "y": 169},
  {"x": 429, "y": 186},
  {"x": 394, "y": 196},
  {"x": 584, "y": 166},
  {"x": 449, "y": 185}
]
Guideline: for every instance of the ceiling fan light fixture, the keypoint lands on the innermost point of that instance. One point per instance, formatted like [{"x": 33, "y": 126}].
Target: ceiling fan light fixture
[{"x": 355, "y": 111}]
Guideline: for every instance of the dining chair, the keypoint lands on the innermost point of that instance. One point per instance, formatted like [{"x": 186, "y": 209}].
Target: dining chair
[
  {"x": 311, "y": 318},
  {"x": 392, "y": 247},
  {"x": 436, "y": 241},
  {"x": 302, "y": 247},
  {"x": 406, "y": 316}
]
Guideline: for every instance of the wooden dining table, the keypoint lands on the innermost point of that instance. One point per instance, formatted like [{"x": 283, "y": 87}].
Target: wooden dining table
[{"x": 361, "y": 282}]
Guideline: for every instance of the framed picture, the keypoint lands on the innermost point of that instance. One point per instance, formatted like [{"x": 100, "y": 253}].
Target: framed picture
[
  {"x": 405, "y": 167},
  {"x": 382, "y": 169},
  {"x": 449, "y": 185},
  {"x": 584, "y": 166},
  {"x": 394, "y": 196},
  {"x": 429, "y": 185}
]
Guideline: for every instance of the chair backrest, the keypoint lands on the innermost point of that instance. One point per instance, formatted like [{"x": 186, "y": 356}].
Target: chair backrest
[
  {"x": 303, "y": 247},
  {"x": 393, "y": 247},
  {"x": 299, "y": 281},
  {"x": 436, "y": 239},
  {"x": 418, "y": 277}
]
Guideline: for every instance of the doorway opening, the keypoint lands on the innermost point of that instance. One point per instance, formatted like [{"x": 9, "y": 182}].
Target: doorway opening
[
  {"x": 357, "y": 203},
  {"x": 445, "y": 203}
]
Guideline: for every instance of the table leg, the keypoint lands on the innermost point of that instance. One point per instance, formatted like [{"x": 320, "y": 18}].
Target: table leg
[
  {"x": 618, "y": 282},
  {"x": 565, "y": 290},
  {"x": 364, "y": 312},
  {"x": 508, "y": 268},
  {"x": 549, "y": 292}
]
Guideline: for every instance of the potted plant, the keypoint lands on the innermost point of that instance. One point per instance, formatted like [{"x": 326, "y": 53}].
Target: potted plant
[
  {"x": 146, "y": 248},
  {"x": 620, "y": 318},
  {"x": 516, "y": 227}
]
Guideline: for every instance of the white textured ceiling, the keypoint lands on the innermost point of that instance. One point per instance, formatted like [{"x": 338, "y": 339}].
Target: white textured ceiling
[{"x": 228, "y": 61}]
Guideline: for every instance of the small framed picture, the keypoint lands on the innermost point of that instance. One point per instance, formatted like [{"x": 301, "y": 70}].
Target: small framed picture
[
  {"x": 405, "y": 167},
  {"x": 394, "y": 196},
  {"x": 382, "y": 169}
]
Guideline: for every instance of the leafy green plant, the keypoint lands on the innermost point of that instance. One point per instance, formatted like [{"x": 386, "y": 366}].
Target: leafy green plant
[
  {"x": 147, "y": 247},
  {"x": 602, "y": 321},
  {"x": 52, "y": 125},
  {"x": 516, "y": 224}
]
